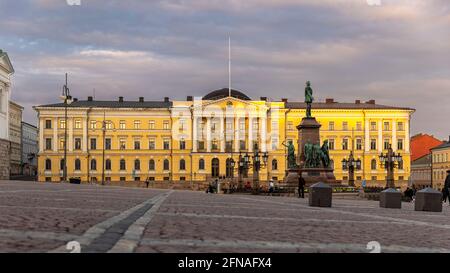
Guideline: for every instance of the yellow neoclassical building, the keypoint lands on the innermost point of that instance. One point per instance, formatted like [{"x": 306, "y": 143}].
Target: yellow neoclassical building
[{"x": 193, "y": 140}]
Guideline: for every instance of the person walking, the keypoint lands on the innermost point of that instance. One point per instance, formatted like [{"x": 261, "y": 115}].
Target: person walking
[
  {"x": 271, "y": 186},
  {"x": 301, "y": 187},
  {"x": 447, "y": 186}
]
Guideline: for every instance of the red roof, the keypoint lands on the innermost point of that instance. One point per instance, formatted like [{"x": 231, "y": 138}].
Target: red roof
[{"x": 421, "y": 145}]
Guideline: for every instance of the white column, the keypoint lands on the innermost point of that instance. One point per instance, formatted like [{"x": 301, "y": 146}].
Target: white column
[
  {"x": 406, "y": 144},
  {"x": 70, "y": 133},
  {"x": 194, "y": 134},
  {"x": 85, "y": 135},
  {"x": 55, "y": 136},
  {"x": 380, "y": 136},
  {"x": 222, "y": 134},
  {"x": 208, "y": 134},
  {"x": 394, "y": 135},
  {"x": 367, "y": 136},
  {"x": 250, "y": 134},
  {"x": 236, "y": 133},
  {"x": 263, "y": 131},
  {"x": 41, "y": 135}
]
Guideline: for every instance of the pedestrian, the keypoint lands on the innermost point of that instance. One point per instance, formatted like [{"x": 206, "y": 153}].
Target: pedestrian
[
  {"x": 147, "y": 182},
  {"x": 301, "y": 187},
  {"x": 444, "y": 194},
  {"x": 271, "y": 186},
  {"x": 447, "y": 186}
]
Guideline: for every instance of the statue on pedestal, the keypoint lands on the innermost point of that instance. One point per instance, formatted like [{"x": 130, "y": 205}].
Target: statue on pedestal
[
  {"x": 291, "y": 155},
  {"x": 308, "y": 98}
]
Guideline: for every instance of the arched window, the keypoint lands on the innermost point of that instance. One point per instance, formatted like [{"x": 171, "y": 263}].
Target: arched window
[
  {"x": 166, "y": 164},
  {"x": 201, "y": 164},
  {"x": 61, "y": 164},
  {"x": 373, "y": 164},
  {"x": 108, "y": 164},
  {"x": 77, "y": 164},
  {"x": 48, "y": 164},
  {"x": 93, "y": 164},
  {"x": 137, "y": 164},
  {"x": 151, "y": 165},
  {"x": 122, "y": 165},
  {"x": 274, "y": 164},
  {"x": 182, "y": 164}
]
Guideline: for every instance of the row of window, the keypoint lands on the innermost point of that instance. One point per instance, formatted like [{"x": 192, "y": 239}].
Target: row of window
[
  {"x": 108, "y": 144},
  {"x": 440, "y": 158},
  {"x": 345, "y": 126},
  {"x": 439, "y": 175},
  {"x": 110, "y": 125},
  {"x": 137, "y": 164}
]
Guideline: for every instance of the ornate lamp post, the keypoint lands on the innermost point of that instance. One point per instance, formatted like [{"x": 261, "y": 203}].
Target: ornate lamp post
[
  {"x": 351, "y": 164},
  {"x": 256, "y": 165},
  {"x": 389, "y": 161},
  {"x": 67, "y": 99}
]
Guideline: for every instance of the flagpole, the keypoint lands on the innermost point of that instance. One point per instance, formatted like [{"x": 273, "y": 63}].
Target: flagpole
[{"x": 229, "y": 66}]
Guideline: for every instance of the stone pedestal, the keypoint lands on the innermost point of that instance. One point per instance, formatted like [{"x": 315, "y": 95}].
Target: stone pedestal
[
  {"x": 391, "y": 198},
  {"x": 320, "y": 195},
  {"x": 308, "y": 132},
  {"x": 428, "y": 199}
]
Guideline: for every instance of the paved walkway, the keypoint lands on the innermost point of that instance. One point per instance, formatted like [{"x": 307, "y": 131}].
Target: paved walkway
[{"x": 44, "y": 217}]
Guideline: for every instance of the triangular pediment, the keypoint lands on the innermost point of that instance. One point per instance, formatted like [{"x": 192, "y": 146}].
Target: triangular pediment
[
  {"x": 228, "y": 101},
  {"x": 5, "y": 63}
]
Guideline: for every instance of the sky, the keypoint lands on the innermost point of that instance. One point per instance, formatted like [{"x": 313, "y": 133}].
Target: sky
[{"x": 394, "y": 51}]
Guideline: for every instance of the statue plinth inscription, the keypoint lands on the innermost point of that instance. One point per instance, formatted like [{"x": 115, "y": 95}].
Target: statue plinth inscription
[{"x": 313, "y": 160}]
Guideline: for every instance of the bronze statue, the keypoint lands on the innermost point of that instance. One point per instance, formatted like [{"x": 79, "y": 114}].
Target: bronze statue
[
  {"x": 309, "y": 155},
  {"x": 291, "y": 155},
  {"x": 308, "y": 98},
  {"x": 316, "y": 155},
  {"x": 325, "y": 154}
]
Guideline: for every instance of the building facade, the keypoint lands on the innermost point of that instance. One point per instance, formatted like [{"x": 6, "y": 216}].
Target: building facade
[
  {"x": 441, "y": 163},
  {"x": 195, "y": 140},
  {"x": 30, "y": 149},
  {"x": 15, "y": 138},
  {"x": 6, "y": 70},
  {"x": 421, "y": 172}
]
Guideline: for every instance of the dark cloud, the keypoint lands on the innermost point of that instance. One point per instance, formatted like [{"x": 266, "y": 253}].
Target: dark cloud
[{"x": 396, "y": 53}]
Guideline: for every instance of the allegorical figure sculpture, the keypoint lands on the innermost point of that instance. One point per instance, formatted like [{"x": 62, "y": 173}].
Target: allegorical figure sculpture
[
  {"x": 315, "y": 155},
  {"x": 308, "y": 98},
  {"x": 291, "y": 155},
  {"x": 325, "y": 154}
]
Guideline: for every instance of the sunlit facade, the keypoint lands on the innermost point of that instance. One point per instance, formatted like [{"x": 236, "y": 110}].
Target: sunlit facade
[{"x": 194, "y": 140}]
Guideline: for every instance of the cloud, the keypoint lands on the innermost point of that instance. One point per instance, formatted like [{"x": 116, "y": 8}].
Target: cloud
[{"x": 396, "y": 53}]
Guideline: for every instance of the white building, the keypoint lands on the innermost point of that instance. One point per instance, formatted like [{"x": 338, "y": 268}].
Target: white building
[{"x": 6, "y": 70}]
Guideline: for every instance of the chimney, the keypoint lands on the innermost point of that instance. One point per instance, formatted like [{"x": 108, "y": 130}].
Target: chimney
[
  {"x": 329, "y": 100},
  {"x": 284, "y": 100},
  {"x": 166, "y": 99},
  {"x": 120, "y": 99},
  {"x": 189, "y": 98},
  {"x": 370, "y": 102},
  {"x": 90, "y": 98},
  {"x": 141, "y": 99},
  {"x": 357, "y": 101},
  {"x": 264, "y": 98}
]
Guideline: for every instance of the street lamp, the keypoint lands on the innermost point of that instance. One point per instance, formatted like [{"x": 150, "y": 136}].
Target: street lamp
[
  {"x": 389, "y": 161},
  {"x": 351, "y": 164},
  {"x": 67, "y": 99}
]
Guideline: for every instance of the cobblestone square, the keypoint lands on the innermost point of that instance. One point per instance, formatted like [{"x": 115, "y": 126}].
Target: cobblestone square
[{"x": 44, "y": 217}]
